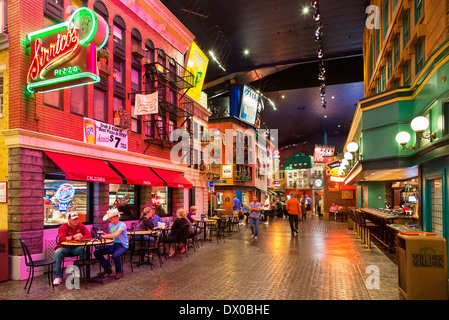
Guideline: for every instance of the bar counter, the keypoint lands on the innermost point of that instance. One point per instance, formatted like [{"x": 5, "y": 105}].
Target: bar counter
[{"x": 388, "y": 225}]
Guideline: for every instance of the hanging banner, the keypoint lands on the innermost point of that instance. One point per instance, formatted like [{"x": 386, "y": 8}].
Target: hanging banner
[
  {"x": 106, "y": 135},
  {"x": 146, "y": 104},
  {"x": 196, "y": 64},
  {"x": 65, "y": 54}
]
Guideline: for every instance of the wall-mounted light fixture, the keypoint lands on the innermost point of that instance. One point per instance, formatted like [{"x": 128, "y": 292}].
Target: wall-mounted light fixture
[
  {"x": 352, "y": 147},
  {"x": 420, "y": 125},
  {"x": 403, "y": 138}
]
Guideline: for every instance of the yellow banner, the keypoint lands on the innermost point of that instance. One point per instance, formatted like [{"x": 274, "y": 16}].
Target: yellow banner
[{"x": 197, "y": 65}]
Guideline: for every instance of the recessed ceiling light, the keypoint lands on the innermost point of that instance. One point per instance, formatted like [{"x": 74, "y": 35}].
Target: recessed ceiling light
[
  {"x": 305, "y": 10},
  {"x": 333, "y": 97},
  {"x": 283, "y": 97},
  {"x": 246, "y": 52},
  {"x": 325, "y": 116}
]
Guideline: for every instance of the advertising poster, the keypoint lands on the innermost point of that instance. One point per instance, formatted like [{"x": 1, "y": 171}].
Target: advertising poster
[
  {"x": 3, "y": 192},
  {"x": 106, "y": 135},
  {"x": 323, "y": 153},
  {"x": 197, "y": 65},
  {"x": 249, "y": 106}
]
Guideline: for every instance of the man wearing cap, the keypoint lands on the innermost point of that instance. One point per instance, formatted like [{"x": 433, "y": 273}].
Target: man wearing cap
[
  {"x": 117, "y": 232},
  {"x": 73, "y": 229}
]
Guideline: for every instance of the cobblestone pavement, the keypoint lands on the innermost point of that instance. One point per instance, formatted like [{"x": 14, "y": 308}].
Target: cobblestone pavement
[{"x": 325, "y": 261}]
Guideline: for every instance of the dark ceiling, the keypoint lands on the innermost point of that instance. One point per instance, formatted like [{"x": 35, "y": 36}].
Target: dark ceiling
[{"x": 282, "y": 59}]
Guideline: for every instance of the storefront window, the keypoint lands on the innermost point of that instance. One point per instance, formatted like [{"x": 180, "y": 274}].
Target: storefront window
[
  {"x": 123, "y": 197},
  {"x": 159, "y": 199},
  {"x": 63, "y": 197}
]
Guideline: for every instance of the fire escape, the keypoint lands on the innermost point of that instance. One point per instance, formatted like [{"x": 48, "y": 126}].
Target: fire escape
[{"x": 172, "y": 81}]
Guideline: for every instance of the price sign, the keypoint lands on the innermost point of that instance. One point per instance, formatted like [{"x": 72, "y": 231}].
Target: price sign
[{"x": 103, "y": 134}]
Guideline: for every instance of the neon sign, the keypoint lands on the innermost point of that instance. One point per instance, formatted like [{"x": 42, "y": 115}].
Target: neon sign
[
  {"x": 65, "y": 55},
  {"x": 157, "y": 200}
]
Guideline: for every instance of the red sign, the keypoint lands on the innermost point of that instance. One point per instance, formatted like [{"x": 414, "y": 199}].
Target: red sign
[
  {"x": 65, "y": 54},
  {"x": 322, "y": 152}
]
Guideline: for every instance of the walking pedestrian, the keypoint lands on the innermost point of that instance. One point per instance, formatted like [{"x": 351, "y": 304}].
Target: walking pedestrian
[
  {"x": 303, "y": 203},
  {"x": 266, "y": 209},
  {"x": 309, "y": 205},
  {"x": 236, "y": 206},
  {"x": 294, "y": 210},
  {"x": 254, "y": 216}
]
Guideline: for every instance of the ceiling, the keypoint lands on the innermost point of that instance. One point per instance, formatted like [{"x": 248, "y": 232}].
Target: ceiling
[{"x": 282, "y": 59}]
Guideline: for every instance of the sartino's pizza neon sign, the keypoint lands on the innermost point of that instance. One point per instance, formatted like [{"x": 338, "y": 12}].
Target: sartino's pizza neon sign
[{"x": 65, "y": 55}]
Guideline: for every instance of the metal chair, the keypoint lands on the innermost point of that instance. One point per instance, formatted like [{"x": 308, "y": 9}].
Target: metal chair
[
  {"x": 181, "y": 237},
  {"x": 87, "y": 259},
  {"x": 36, "y": 264},
  {"x": 94, "y": 232}
]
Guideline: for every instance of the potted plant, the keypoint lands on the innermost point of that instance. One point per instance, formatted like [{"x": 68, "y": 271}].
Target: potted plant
[
  {"x": 103, "y": 55},
  {"x": 122, "y": 119}
]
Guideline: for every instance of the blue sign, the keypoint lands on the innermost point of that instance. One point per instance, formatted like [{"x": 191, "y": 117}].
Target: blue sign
[{"x": 210, "y": 184}]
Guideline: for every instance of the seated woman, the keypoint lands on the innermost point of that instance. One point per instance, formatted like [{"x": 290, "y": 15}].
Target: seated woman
[
  {"x": 176, "y": 233},
  {"x": 192, "y": 214},
  {"x": 146, "y": 224}
]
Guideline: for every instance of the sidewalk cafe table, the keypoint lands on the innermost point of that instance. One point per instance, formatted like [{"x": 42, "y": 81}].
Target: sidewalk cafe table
[
  {"x": 208, "y": 222},
  {"x": 88, "y": 243}
]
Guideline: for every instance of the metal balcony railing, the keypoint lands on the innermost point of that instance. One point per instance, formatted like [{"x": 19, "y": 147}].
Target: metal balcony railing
[{"x": 169, "y": 71}]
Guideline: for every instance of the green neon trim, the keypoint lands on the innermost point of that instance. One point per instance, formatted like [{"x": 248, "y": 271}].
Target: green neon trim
[
  {"x": 44, "y": 83},
  {"x": 47, "y": 31},
  {"x": 105, "y": 38},
  {"x": 93, "y": 31}
]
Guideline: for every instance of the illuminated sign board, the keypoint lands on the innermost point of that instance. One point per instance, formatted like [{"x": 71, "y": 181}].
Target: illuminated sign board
[
  {"x": 251, "y": 106},
  {"x": 65, "y": 55},
  {"x": 64, "y": 196},
  {"x": 322, "y": 153},
  {"x": 197, "y": 65},
  {"x": 333, "y": 167}
]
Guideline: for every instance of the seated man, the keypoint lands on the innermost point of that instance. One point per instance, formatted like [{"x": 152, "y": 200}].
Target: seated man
[
  {"x": 73, "y": 229},
  {"x": 155, "y": 218},
  {"x": 245, "y": 214},
  {"x": 117, "y": 232}
]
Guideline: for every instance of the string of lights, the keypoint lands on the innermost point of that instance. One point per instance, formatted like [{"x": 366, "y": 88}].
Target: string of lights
[{"x": 318, "y": 38}]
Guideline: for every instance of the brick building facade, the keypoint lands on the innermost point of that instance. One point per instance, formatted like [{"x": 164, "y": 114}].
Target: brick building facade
[{"x": 141, "y": 33}]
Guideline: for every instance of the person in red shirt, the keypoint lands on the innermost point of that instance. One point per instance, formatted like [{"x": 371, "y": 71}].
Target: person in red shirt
[
  {"x": 71, "y": 230},
  {"x": 294, "y": 211}
]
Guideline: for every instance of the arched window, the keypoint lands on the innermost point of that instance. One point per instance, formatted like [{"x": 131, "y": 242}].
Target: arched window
[
  {"x": 118, "y": 30},
  {"x": 100, "y": 8},
  {"x": 149, "y": 48}
]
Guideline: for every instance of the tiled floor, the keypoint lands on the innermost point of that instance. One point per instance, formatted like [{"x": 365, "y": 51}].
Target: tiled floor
[{"x": 325, "y": 261}]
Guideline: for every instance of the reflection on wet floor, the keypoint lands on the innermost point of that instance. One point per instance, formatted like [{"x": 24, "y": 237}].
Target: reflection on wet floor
[{"x": 325, "y": 261}]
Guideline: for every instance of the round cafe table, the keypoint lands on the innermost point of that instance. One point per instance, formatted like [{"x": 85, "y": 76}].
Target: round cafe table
[{"x": 88, "y": 243}]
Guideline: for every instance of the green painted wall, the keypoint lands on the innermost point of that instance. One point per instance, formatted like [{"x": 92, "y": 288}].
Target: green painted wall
[{"x": 376, "y": 189}]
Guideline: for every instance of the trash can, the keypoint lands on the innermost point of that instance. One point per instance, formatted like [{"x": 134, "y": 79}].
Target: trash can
[
  {"x": 4, "y": 256},
  {"x": 422, "y": 266}
]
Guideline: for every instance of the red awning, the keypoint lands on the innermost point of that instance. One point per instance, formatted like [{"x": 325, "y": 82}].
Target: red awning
[
  {"x": 84, "y": 169},
  {"x": 173, "y": 179},
  {"x": 138, "y": 174}
]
